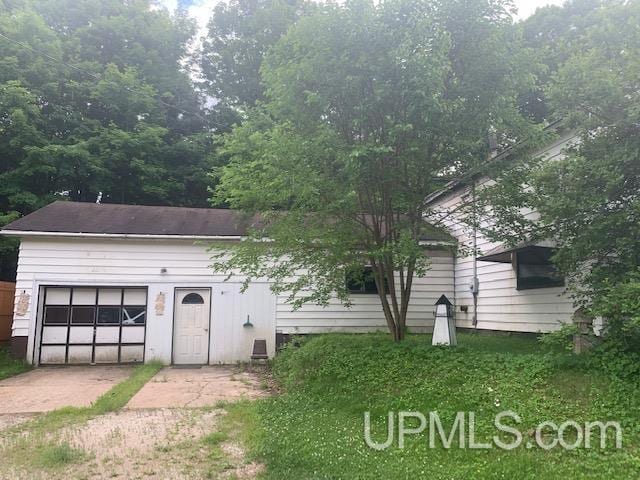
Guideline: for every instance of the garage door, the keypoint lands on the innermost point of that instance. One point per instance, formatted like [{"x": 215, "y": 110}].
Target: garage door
[{"x": 83, "y": 325}]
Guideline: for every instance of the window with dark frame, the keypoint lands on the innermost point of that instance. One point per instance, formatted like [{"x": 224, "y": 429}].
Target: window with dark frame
[
  {"x": 534, "y": 269},
  {"x": 363, "y": 282},
  {"x": 56, "y": 315},
  {"x": 95, "y": 314}
]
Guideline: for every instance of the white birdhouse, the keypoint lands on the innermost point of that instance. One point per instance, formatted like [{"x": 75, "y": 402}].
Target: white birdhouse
[{"x": 444, "y": 329}]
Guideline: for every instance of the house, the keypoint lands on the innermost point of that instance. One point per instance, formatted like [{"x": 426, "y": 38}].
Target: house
[
  {"x": 500, "y": 288},
  {"x": 124, "y": 284},
  {"x": 105, "y": 283}
]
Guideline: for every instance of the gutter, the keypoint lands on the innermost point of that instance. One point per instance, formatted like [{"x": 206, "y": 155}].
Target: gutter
[
  {"x": 28, "y": 233},
  {"x": 140, "y": 236}
]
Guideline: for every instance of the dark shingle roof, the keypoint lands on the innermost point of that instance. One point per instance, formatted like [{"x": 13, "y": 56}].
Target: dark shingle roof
[
  {"x": 115, "y": 219},
  {"x": 107, "y": 218}
]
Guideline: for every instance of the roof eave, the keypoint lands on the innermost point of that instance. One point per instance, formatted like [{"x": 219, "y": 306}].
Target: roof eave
[{"x": 140, "y": 236}]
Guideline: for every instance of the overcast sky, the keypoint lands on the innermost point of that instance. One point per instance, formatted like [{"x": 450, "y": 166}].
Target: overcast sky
[{"x": 201, "y": 9}]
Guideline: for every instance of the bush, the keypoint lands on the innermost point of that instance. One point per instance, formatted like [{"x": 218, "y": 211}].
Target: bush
[{"x": 620, "y": 304}]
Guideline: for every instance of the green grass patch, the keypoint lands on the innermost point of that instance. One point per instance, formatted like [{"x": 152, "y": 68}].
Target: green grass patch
[
  {"x": 52, "y": 456},
  {"x": 315, "y": 428},
  {"x": 214, "y": 438},
  {"x": 10, "y": 366}
]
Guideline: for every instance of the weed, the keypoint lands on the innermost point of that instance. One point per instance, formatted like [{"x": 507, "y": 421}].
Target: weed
[{"x": 58, "y": 455}]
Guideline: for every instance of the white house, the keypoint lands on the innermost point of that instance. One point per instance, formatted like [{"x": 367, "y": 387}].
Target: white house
[
  {"x": 123, "y": 283},
  {"x": 500, "y": 288}
]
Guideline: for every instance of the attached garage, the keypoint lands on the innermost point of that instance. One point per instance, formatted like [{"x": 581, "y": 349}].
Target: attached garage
[
  {"x": 84, "y": 325},
  {"x": 105, "y": 283}
]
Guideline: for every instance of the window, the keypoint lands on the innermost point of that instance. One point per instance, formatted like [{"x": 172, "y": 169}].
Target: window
[
  {"x": 56, "y": 315},
  {"x": 534, "y": 269},
  {"x": 362, "y": 282},
  {"x": 192, "y": 299},
  {"x": 108, "y": 315},
  {"x": 82, "y": 315},
  {"x": 91, "y": 306},
  {"x": 133, "y": 315}
]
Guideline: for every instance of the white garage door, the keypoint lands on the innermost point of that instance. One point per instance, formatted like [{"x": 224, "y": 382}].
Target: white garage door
[{"x": 86, "y": 325}]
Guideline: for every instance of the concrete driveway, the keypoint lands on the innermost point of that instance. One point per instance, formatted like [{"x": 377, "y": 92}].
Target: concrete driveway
[
  {"x": 49, "y": 388},
  {"x": 174, "y": 387}
]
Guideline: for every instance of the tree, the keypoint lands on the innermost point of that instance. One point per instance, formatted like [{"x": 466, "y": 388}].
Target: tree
[
  {"x": 589, "y": 202},
  {"x": 240, "y": 33},
  {"x": 554, "y": 33},
  {"x": 95, "y": 97},
  {"x": 368, "y": 109}
]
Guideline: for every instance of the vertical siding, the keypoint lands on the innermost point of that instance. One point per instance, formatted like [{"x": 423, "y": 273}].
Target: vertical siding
[{"x": 500, "y": 305}]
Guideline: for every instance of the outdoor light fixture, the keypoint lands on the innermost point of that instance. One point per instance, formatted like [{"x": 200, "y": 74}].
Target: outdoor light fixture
[
  {"x": 248, "y": 323},
  {"x": 444, "y": 329}
]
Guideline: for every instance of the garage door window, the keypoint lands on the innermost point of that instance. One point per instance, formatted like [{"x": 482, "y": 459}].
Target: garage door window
[{"x": 93, "y": 325}]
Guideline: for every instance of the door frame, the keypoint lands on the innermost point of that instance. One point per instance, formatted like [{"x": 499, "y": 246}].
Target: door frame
[{"x": 173, "y": 322}]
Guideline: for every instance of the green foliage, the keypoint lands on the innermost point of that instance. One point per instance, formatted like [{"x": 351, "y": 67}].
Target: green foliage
[
  {"x": 315, "y": 428},
  {"x": 589, "y": 201},
  {"x": 368, "y": 109},
  {"x": 58, "y": 455},
  {"x": 240, "y": 33},
  {"x": 561, "y": 338},
  {"x": 10, "y": 366},
  {"x": 619, "y": 304},
  {"x": 127, "y": 122},
  {"x": 119, "y": 395}
]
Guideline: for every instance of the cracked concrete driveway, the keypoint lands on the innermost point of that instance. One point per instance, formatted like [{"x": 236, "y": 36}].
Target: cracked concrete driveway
[
  {"x": 196, "y": 387},
  {"x": 49, "y": 388}
]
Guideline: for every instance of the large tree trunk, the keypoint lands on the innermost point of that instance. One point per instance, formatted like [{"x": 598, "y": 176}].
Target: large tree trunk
[{"x": 395, "y": 310}]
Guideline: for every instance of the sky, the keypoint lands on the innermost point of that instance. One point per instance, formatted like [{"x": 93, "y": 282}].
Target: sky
[{"x": 201, "y": 9}]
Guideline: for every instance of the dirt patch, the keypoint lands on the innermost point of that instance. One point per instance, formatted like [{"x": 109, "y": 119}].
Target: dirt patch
[
  {"x": 158, "y": 444},
  {"x": 8, "y": 421}
]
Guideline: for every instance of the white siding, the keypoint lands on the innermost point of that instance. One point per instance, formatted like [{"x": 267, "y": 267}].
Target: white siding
[
  {"x": 128, "y": 262},
  {"x": 500, "y": 305},
  {"x": 366, "y": 313}
]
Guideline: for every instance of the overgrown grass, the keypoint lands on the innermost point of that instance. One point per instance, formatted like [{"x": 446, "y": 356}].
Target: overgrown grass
[
  {"x": 10, "y": 366},
  {"x": 60, "y": 455},
  {"x": 315, "y": 428}
]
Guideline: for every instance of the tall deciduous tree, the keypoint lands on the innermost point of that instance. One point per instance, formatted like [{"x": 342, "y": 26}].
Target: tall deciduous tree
[
  {"x": 239, "y": 34},
  {"x": 369, "y": 107}
]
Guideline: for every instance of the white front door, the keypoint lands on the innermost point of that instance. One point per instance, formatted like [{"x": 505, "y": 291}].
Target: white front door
[{"x": 191, "y": 326}]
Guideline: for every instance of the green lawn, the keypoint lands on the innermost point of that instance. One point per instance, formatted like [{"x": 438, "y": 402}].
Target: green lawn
[
  {"x": 314, "y": 429},
  {"x": 9, "y": 366}
]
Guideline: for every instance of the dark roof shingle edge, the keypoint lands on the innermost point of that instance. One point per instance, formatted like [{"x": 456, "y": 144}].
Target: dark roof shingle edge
[{"x": 108, "y": 219}]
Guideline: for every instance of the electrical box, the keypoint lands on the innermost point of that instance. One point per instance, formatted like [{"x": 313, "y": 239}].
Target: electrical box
[{"x": 474, "y": 286}]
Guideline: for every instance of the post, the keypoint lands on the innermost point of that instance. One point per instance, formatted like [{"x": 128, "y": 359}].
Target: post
[{"x": 582, "y": 340}]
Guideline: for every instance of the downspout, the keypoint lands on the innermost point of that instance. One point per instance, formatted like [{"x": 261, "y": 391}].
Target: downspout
[{"x": 474, "y": 281}]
